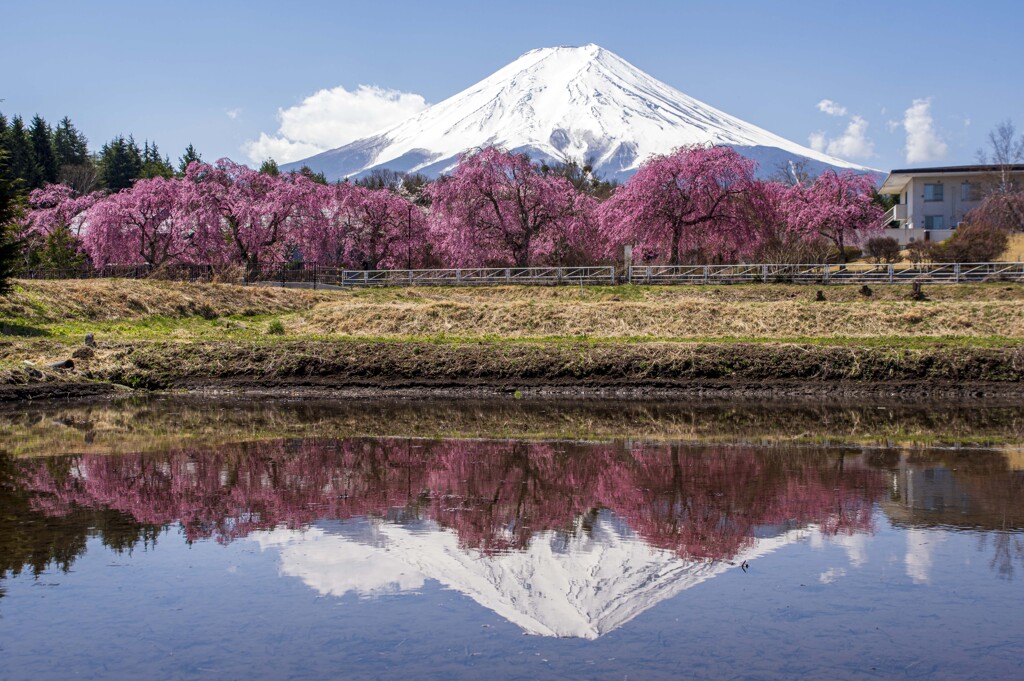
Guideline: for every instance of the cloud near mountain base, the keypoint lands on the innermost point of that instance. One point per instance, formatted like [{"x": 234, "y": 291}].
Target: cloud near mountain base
[{"x": 331, "y": 118}]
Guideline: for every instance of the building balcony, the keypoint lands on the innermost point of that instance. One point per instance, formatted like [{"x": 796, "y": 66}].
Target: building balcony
[{"x": 897, "y": 213}]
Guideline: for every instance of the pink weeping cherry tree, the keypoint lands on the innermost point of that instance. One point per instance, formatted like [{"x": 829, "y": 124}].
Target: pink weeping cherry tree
[
  {"x": 836, "y": 207},
  {"x": 497, "y": 208},
  {"x": 321, "y": 234},
  {"x": 144, "y": 225},
  {"x": 243, "y": 215},
  {"x": 385, "y": 230},
  {"x": 353, "y": 226},
  {"x": 765, "y": 230},
  {"x": 680, "y": 203},
  {"x": 58, "y": 205}
]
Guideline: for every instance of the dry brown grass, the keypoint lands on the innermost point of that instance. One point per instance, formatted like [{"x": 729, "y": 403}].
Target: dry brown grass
[
  {"x": 668, "y": 319},
  {"x": 1014, "y": 249},
  {"x": 749, "y": 311},
  {"x": 117, "y": 299}
]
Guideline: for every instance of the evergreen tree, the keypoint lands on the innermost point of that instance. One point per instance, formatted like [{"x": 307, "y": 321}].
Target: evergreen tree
[
  {"x": 10, "y": 211},
  {"x": 269, "y": 167},
  {"x": 317, "y": 177},
  {"x": 121, "y": 162},
  {"x": 70, "y": 145},
  {"x": 153, "y": 165},
  {"x": 21, "y": 158},
  {"x": 42, "y": 147},
  {"x": 4, "y": 129},
  {"x": 189, "y": 156}
]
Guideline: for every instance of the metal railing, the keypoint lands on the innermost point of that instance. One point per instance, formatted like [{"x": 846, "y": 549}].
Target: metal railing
[
  {"x": 310, "y": 275},
  {"x": 317, "y": 276},
  {"x": 857, "y": 273}
]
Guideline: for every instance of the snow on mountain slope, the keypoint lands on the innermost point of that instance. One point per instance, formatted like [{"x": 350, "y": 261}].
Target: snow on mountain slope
[
  {"x": 560, "y": 103},
  {"x": 584, "y": 585}
]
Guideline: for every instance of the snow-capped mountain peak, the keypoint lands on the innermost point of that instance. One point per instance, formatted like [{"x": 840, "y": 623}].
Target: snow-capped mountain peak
[{"x": 564, "y": 103}]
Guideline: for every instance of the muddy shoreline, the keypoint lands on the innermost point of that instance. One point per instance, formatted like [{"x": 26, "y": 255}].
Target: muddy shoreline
[
  {"x": 366, "y": 369},
  {"x": 326, "y": 388}
]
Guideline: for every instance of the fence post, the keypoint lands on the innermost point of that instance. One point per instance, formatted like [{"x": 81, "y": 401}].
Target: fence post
[
  {"x": 458, "y": 276},
  {"x": 891, "y": 272},
  {"x": 764, "y": 274},
  {"x": 956, "y": 272},
  {"x": 558, "y": 275},
  {"x": 827, "y": 272}
]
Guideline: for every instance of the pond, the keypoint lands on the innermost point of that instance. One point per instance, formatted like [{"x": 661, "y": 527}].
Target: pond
[{"x": 223, "y": 538}]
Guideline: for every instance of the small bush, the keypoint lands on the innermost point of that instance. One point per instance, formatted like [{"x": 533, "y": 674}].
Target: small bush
[
  {"x": 973, "y": 243},
  {"x": 919, "y": 252},
  {"x": 275, "y": 328},
  {"x": 882, "y": 249}
]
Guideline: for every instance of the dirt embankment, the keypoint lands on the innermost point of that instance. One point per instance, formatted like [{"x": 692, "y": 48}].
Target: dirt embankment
[
  {"x": 300, "y": 367},
  {"x": 705, "y": 340}
]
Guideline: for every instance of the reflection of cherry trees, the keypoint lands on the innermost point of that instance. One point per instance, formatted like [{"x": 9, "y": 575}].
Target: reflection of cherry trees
[{"x": 705, "y": 503}]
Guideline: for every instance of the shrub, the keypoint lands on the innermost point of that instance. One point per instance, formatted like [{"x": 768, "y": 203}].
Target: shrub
[
  {"x": 275, "y": 328},
  {"x": 973, "y": 243},
  {"x": 882, "y": 249},
  {"x": 919, "y": 251}
]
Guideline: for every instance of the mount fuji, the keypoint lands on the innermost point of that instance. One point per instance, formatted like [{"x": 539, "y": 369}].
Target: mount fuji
[
  {"x": 581, "y": 586},
  {"x": 566, "y": 103}
]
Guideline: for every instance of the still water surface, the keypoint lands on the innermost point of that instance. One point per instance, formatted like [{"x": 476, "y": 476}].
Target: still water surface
[{"x": 313, "y": 556}]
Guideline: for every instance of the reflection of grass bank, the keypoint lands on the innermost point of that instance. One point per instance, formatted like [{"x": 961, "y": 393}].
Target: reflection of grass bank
[
  {"x": 167, "y": 423},
  {"x": 167, "y": 335}
]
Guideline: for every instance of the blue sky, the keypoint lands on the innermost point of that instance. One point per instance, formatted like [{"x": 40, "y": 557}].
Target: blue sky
[{"x": 217, "y": 74}]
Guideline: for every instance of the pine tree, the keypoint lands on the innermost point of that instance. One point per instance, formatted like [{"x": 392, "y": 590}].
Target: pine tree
[
  {"x": 121, "y": 162},
  {"x": 4, "y": 129},
  {"x": 70, "y": 145},
  {"x": 10, "y": 210},
  {"x": 153, "y": 165},
  {"x": 21, "y": 158},
  {"x": 309, "y": 173},
  {"x": 269, "y": 167},
  {"x": 189, "y": 156},
  {"x": 42, "y": 146}
]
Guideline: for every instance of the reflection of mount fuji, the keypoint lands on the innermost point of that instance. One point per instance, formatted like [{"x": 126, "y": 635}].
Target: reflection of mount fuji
[{"x": 580, "y": 584}]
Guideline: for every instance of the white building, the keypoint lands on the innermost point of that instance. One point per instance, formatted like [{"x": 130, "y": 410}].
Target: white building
[{"x": 934, "y": 201}]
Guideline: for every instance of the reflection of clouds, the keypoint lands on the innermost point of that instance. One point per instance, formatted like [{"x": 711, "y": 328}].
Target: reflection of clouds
[
  {"x": 584, "y": 584},
  {"x": 831, "y": 575},
  {"x": 920, "y": 549},
  {"x": 855, "y": 546},
  {"x": 334, "y": 565}
]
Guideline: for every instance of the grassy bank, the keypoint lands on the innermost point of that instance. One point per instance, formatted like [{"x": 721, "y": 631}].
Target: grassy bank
[{"x": 165, "y": 335}]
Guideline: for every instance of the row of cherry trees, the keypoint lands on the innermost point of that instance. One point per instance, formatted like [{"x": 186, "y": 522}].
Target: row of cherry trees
[{"x": 699, "y": 204}]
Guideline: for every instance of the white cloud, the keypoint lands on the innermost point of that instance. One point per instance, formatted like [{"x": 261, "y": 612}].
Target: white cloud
[
  {"x": 233, "y": 113},
  {"x": 854, "y": 142},
  {"x": 893, "y": 126},
  {"x": 831, "y": 575},
  {"x": 331, "y": 118},
  {"x": 278, "y": 148},
  {"x": 818, "y": 141},
  {"x": 831, "y": 108},
  {"x": 923, "y": 140}
]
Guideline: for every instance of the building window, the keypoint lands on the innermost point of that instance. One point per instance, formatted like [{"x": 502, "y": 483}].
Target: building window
[
  {"x": 934, "y": 222},
  {"x": 970, "y": 191},
  {"x": 933, "y": 192}
]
